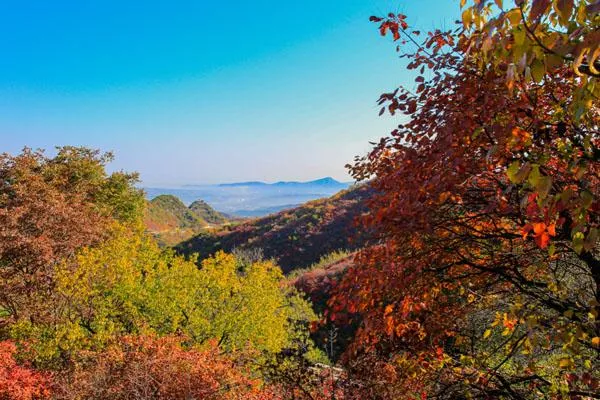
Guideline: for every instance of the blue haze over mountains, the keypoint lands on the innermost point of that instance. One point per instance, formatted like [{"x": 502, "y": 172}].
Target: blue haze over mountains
[{"x": 253, "y": 199}]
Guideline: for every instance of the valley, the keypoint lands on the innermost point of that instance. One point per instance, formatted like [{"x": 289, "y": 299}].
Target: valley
[{"x": 295, "y": 238}]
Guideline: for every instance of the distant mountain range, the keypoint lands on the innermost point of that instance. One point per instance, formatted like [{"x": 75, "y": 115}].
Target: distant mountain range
[
  {"x": 328, "y": 181},
  {"x": 253, "y": 199}
]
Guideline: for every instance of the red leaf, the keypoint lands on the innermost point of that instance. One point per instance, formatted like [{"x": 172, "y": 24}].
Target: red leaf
[
  {"x": 538, "y": 8},
  {"x": 525, "y": 230},
  {"x": 383, "y": 28}
]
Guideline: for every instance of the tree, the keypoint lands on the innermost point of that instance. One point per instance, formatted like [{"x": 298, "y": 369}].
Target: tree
[
  {"x": 486, "y": 279},
  {"x": 127, "y": 285},
  {"x": 50, "y": 208},
  {"x": 151, "y": 368}
]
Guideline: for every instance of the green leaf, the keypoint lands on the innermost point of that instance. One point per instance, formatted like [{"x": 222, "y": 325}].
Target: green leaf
[
  {"x": 512, "y": 171},
  {"x": 538, "y": 70},
  {"x": 519, "y": 36},
  {"x": 544, "y": 184},
  {"x": 577, "y": 242},
  {"x": 534, "y": 175},
  {"x": 517, "y": 173}
]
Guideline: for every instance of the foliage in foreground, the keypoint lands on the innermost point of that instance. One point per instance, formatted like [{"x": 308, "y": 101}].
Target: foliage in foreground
[
  {"x": 91, "y": 307},
  {"x": 147, "y": 367},
  {"x": 486, "y": 281},
  {"x": 18, "y": 381}
]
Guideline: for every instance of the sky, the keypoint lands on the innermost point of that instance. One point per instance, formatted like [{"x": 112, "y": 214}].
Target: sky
[{"x": 192, "y": 92}]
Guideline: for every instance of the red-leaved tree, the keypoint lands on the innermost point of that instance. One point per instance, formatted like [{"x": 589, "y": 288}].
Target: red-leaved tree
[
  {"x": 147, "y": 367},
  {"x": 17, "y": 382},
  {"x": 485, "y": 281}
]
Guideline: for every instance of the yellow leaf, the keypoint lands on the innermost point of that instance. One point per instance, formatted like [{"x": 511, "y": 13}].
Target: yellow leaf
[
  {"x": 538, "y": 70},
  {"x": 514, "y": 16},
  {"x": 467, "y": 17},
  {"x": 487, "y": 333},
  {"x": 565, "y": 363}
]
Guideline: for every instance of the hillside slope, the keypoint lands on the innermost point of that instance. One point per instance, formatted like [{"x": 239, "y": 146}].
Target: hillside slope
[
  {"x": 208, "y": 214},
  {"x": 295, "y": 238},
  {"x": 171, "y": 222}
]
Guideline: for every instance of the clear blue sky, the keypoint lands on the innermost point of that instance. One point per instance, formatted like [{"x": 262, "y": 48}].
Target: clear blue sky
[{"x": 203, "y": 91}]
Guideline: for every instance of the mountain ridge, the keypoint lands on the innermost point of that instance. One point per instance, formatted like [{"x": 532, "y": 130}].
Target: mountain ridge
[
  {"x": 295, "y": 238},
  {"x": 321, "y": 182}
]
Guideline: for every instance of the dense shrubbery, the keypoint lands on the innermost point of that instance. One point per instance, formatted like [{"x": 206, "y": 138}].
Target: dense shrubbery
[{"x": 93, "y": 308}]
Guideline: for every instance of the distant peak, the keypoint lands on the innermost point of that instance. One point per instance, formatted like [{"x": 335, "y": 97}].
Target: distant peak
[{"x": 326, "y": 181}]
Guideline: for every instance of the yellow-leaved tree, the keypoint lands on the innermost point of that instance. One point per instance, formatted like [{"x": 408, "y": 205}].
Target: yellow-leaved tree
[{"x": 128, "y": 285}]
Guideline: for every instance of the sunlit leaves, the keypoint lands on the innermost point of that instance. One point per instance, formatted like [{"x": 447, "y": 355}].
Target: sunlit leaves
[
  {"x": 486, "y": 210},
  {"x": 147, "y": 367},
  {"x": 17, "y": 382}
]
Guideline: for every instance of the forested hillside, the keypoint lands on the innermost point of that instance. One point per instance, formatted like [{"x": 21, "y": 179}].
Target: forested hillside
[
  {"x": 171, "y": 222},
  {"x": 204, "y": 211},
  {"x": 295, "y": 238}
]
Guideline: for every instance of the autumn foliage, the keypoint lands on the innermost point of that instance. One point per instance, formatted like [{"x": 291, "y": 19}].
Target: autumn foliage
[
  {"x": 480, "y": 277},
  {"x": 147, "y": 367},
  {"x": 92, "y": 308},
  {"x": 486, "y": 279},
  {"x": 18, "y": 382}
]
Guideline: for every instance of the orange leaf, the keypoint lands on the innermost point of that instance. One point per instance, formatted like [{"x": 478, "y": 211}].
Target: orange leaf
[
  {"x": 539, "y": 227},
  {"x": 525, "y": 230},
  {"x": 542, "y": 240},
  {"x": 388, "y": 309}
]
